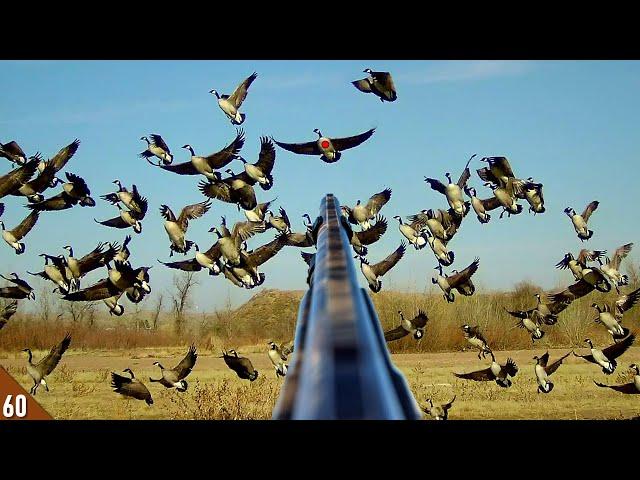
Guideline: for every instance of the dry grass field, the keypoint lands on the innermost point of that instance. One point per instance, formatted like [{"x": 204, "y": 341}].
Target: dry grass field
[{"x": 80, "y": 387}]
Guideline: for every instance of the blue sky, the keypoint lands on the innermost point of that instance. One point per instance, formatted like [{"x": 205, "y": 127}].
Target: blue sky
[{"x": 571, "y": 125}]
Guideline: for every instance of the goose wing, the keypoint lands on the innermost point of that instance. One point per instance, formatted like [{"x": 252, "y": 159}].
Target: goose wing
[
  {"x": 589, "y": 210},
  {"x": 240, "y": 93},
  {"x": 167, "y": 213},
  {"x": 243, "y": 231},
  {"x": 556, "y": 307},
  {"x": 447, "y": 406},
  {"x": 308, "y": 257},
  {"x": 555, "y": 365},
  {"x": 217, "y": 189},
  {"x": 100, "y": 291},
  {"x": 64, "y": 155},
  {"x": 463, "y": 277},
  {"x": 265, "y": 252},
  {"x": 385, "y": 79},
  {"x": 485, "y": 375},
  {"x": 620, "y": 254},
  {"x": 13, "y": 148},
  {"x": 487, "y": 175},
  {"x": 184, "y": 265},
  {"x": 301, "y": 240},
  {"x": 139, "y": 204},
  {"x": 377, "y": 201},
  {"x": 285, "y": 217},
  {"x": 510, "y": 368},
  {"x": 388, "y": 263},
  {"x": 78, "y": 183},
  {"x": 465, "y": 175},
  {"x": 563, "y": 264},
  {"x": 116, "y": 222},
  {"x": 227, "y": 154},
  {"x": 628, "y": 388},
  {"x": 588, "y": 358},
  {"x": 617, "y": 349},
  {"x": 490, "y": 203},
  {"x": 12, "y": 292},
  {"x": 501, "y": 165},
  {"x": 185, "y": 168},
  {"x": 522, "y": 314},
  {"x": 13, "y": 180},
  {"x": 191, "y": 212},
  {"x": 214, "y": 251},
  {"x": 26, "y": 225},
  {"x": 363, "y": 85},
  {"x": 572, "y": 292},
  {"x": 436, "y": 185},
  {"x": 345, "y": 143},
  {"x": 544, "y": 360},
  {"x": 267, "y": 156},
  {"x": 48, "y": 363},
  {"x": 395, "y": 334},
  {"x": 590, "y": 255},
  {"x": 158, "y": 141},
  {"x": 308, "y": 148},
  {"x": 61, "y": 201},
  {"x": 626, "y": 302},
  {"x": 9, "y": 311},
  {"x": 186, "y": 364},
  {"x": 130, "y": 387},
  {"x": 97, "y": 258},
  {"x": 43, "y": 180},
  {"x": 373, "y": 234},
  {"x": 420, "y": 320}
]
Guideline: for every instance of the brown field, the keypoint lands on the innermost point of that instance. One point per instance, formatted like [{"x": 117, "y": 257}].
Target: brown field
[{"x": 80, "y": 387}]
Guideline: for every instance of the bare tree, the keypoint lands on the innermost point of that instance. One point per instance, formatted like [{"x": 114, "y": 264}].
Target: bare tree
[
  {"x": 79, "y": 311},
  {"x": 157, "y": 311},
  {"x": 182, "y": 298},
  {"x": 45, "y": 309},
  {"x": 633, "y": 272}
]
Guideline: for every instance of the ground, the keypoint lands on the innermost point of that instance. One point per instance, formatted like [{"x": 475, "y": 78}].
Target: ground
[{"x": 79, "y": 387}]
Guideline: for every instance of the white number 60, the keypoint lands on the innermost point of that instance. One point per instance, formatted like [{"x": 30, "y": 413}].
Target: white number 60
[{"x": 19, "y": 410}]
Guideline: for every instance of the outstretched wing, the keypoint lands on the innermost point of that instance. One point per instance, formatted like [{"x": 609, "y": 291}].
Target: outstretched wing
[
  {"x": 243, "y": 231},
  {"x": 191, "y": 212},
  {"x": 216, "y": 189},
  {"x": 185, "y": 168},
  {"x": 301, "y": 240},
  {"x": 388, "y": 263},
  {"x": 9, "y": 310},
  {"x": 628, "y": 388},
  {"x": 13, "y": 148},
  {"x": 64, "y": 155},
  {"x": 309, "y": 148},
  {"x": 158, "y": 141},
  {"x": 227, "y": 154},
  {"x": 465, "y": 175},
  {"x": 265, "y": 252},
  {"x": 617, "y": 349},
  {"x": 285, "y": 217},
  {"x": 555, "y": 365},
  {"x": 544, "y": 360},
  {"x": 184, "y": 265},
  {"x": 13, "y": 180},
  {"x": 341, "y": 144},
  {"x": 138, "y": 204},
  {"x": 186, "y": 364},
  {"x": 373, "y": 234},
  {"x": 395, "y": 334},
  {"x": 420, "y": 320},
  {"x": 116, "y": 222},
  {"x": 626, "y": 302},
  {"x": 463, "y": 276},
  {"x": 96, "y": 258},
  {"x": 102, "y": 290},
  {"x": 436, "y": 185},
  {"x": 240, "y": 93},
  {"x": 572, "y": 292},
  {"x": 50, "y": 362},
  {"x": 267, "y": 156},
  {"x": 485, "y": 375},
  {"x": 43, "y": 180},
  {"x": 362, "y": 85},
  {"x": 167, "y": 213},
  {"x": 26, "y": 225},
  {"x": 590, "y": 255},
  {"x": 589, "y": 210},
  {"x": 620, "y": 254},
  {"x": 377, "y": 201},
  {"x": 490, "y": 203}
]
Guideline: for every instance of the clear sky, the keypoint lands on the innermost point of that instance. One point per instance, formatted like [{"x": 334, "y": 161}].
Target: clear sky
[{"x": 572, "y": 125}]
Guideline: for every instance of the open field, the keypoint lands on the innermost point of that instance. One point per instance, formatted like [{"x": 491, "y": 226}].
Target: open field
[{"x": 80, "y": 386}]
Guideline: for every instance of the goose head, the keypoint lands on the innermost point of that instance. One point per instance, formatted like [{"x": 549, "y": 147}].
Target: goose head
[
  {"x": 537, "y": 359},
  {"x": 308, "y": 218},
  {"x": 358, "y": 202},
  {"x": 69, "y": 249},
  {"x": 317, "y": 131},
  {"x": 242, "y": 159},
  {"x": 448, "y": 175},
  {"x": 537, "y": 295},
  {"x": 214, "y": 92},
  {"x": 368, "y": 70},
  {"x": 2, "y": 224},
  {"x": 145, "y": 139},
  {"x": 362, "y": 259},
  {"x": 157, "y": 364},
  {"x": 272, "y": 345},
  {"x": 233, "y": 352},
  {"x": 470, "y": 191},
  {"x": 117, "y": 182},
  {"x": 399, "y": 218},
  {"x": 588, "y": 342},
  {"x": 597, "y": 307},
  {"x": 569, "y": 211},
  {"x": 635, "y": 368},
  {"x": 229, "y": 171},
  {"x": 129, "y": 371},
  {"x": 465, "y": 327},
  {"x": 188, "y": 147},
  {"x": 137, "y": 227}
]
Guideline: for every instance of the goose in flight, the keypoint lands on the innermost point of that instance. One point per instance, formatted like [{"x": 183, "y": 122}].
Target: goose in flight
[
  {"x": 329, "y": 149},
  {"x": 230, "y": 104},
  {"x": 379, "y": 83}
]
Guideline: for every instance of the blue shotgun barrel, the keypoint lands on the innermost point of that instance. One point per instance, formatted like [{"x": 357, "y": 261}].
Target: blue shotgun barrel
[{"x": 341, "y": 367}]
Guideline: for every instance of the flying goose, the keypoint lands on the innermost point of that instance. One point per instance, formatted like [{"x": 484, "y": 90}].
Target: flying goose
[
  {"x": 278, "y": 359},
  {"x": 414, "y": 326},
  {"x": 13, "y": 237},
  {"x": 261, "y": 170},
  {"x": 157, "y": 147},
  {"x": 208, "y": 165},
  {"x": 230, "y": 104},
  {"x": 460, "y": 281},
  {"x": 499, "y": 173},
  {"x": 241, "y": 365},
  {"x": 577, "y": 265},
  {"x": 373, "y": 272},
  {"x": 546, "y": 313},
  {"x": 21, "y": 290},
  {"x": 358, "y": 240},
  {"x": 281, "y": 223},
  {"x": 362, "y": 214},
  {"x": 60, "y": 160},
  {"x": 128, "y": 218},
  {"x": 302, "y": 240},
  {"x": 175, "y": 377},
  {"x": 439, "y": 248},
  {"x": 453, "y": 191},
  {"x": 74, "y": 191},
  {"x": 443, "y": 224},
  {"x": 580, "y": 221},
  {"x": 8, "y": 311},
  {"x": 12, "y": 152},
  {"x": 532, "y": 193},
  {"x": 176, "y": 228},
  {"x": 329, "y": 149},
  {"x": 497, "y": 372},
  {"x": 34, "y": 188},
  {"x": 474, "y": 336},
  {"x": 39, "y": 371},
  {"x": 632, "y": 388},
  {"x": 130, "y": 387},
  {"x": 56, "y": 272},
  {"x": 231, "y": 241},
  {"x": 93, "y": 260},
  {"x": 16, "y": 178},
  {"x": 507, "y": 199},
  {"x": 612, "y": 267},
  {"x": 258, "y": 213},
  {"x": 412, "y": 232},
  {"x": 208, "y": 260},
  {"x": 481, "y": 207},
  {"x": 592, "y": 278},
  {"x": 247, "y": 273},
  {"x": 531, "y": 325},
  {"x": 438, "y": 412},
  {"x": 236, "y": 189},
  {"x": 606, "y": 357},
  {"x": 130, "y": 199},
  {"x": 543, "y": 370},
  {"x": 611, "y": 316},
  {"x": 378, "y": 83}
]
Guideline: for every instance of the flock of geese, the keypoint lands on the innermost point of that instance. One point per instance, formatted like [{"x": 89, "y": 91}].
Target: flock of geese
[{"x": 229, "y": 254}]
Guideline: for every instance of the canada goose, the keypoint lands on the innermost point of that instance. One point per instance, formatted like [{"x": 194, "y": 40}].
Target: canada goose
[
  {"x": 442, "y": 224},
  {"x": 176, "y": 228},
  {"x": 611, "y": 316},
  {"x": 460, "y": 281},
  {"x": 507, "y": 199},
  {"x": 612, "y": 267},
  {"x": 16, "y": 178},
  {"x": 8, "y": 311},
  {"x": 123, "y": 253},
  {"x": 21, "y": 290},
  {"x": 358, "y": 240},
  {"x": 247, "y": 273},
  {"x": 128, "y": 218},
  {"x": 497, "y": 372},
  {"x": 73, "y": 192},
  {"x": 208, "y": 165},
  {"x": 13, "y": 237},
  {"x": 453, "y": 191},
  {"x": 499, "y": 173},
  {"x": 415, "y": 326},
  {"x": 546, "y": 313},
  {"x": 60, "y": 160},
  {"x": 373, "y": 272},
  {"x": 237, "y": 189},
  {"x": 481, "y": 207},
  {"x": 208, "y": 260},
  {"x": 362, "y": 214},
  {"x": 175, "y": 377},
  {"x": 56, "y": 272},
  {"x": 261, "y": 170},
  {"x": 577, "y": 265},
  {"x": 157, "y": 147},
  {"x": 474, "y": 336},
  {"x": 140, "y": 288},
  {"x": 592, "y": 278},
  {"x": 12, "y": 152},
  {"x": 123, "y": 276},
  {"x": 329, "y": 149},
  {"x": 302, "y": 240},
  {"x": 231, "y": 241},
  {"x": 532, "y": 193},
  {"x": 531, "y": 325},
  {"x": 230, "y": 104},
  {"x": 34, "y": 188},
  {"x": 438, "y": 412},
  {"x": 131, "y": 199},
  {"x": 93, "y": 260},
  {"x": 241, "y": 365},
  {"x": 543, "y": 370},
  {"x": 606, "y": 357},
  {"x": 412, "y": 232},
  {"x": 378, "y": 83},
  {"x": 130, "y": 387},
  {"x": 44, "y": 367},
  {"x": 580, "y": 221},
  {"x": 278, "y": 359},
  {"x": 632, "y": 388},
  {"x": 281, "y": 223},
  {"x": 442, "y": 253},
  {"x": 258, "y": 213}
]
